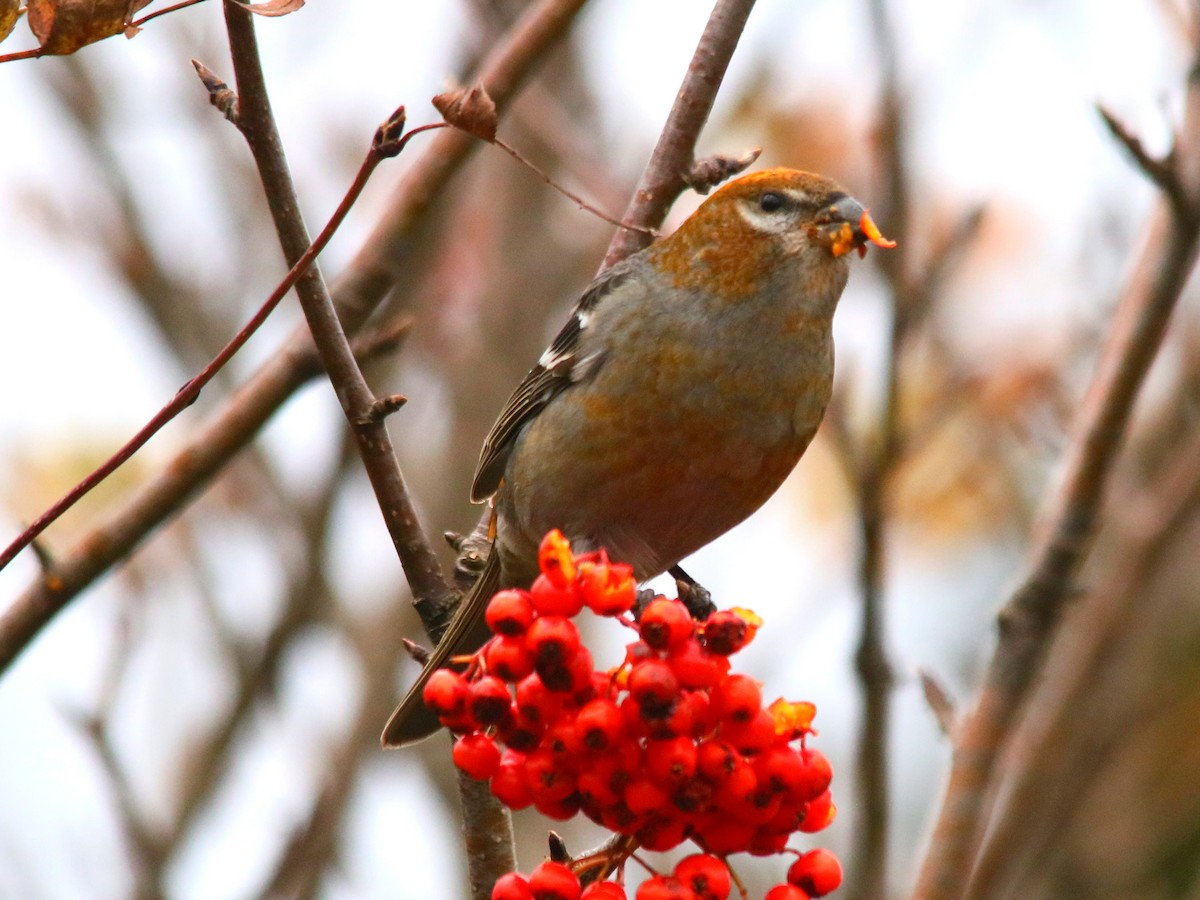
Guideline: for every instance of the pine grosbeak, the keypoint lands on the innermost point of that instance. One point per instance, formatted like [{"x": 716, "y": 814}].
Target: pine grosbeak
[{"x": 677, "y": 398}]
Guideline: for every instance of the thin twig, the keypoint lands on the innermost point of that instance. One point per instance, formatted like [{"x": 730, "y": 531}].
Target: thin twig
[
  {"x": 570, "y": 195},
  {"x": 138, "y": 23},
  {"x": 664, "y": 177},
  {"x": 1029, "y": 620},
  {"x": 868, "y": 875},
  {"x": 387, "y": 255},
  {"x": 1163, "y": 172}
]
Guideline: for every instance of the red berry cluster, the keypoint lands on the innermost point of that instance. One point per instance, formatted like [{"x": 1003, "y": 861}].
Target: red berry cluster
[{"x": 667, "y": 746}]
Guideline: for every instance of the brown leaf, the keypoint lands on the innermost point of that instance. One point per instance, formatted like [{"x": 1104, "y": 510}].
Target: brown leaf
[
  {"x": 470, "y": 109},
  {"x": 271, "y": 7},
  {"x": 63, "y": 26},
  {"x": 10, "y": 11}
]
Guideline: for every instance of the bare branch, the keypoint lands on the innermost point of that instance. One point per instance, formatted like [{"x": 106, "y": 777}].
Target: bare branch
[
  {"x": 868, "y": 877},
  {"x": 663, "y": 179},
  {"x": 257, "y": 123},
  {"x": 1163, "y": 172}
]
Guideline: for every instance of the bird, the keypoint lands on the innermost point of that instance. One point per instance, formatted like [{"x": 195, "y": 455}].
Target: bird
[{"x": 681, "y": 392}]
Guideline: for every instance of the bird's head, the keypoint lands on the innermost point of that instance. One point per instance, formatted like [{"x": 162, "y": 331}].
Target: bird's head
[{"x": 761, "y": 222}]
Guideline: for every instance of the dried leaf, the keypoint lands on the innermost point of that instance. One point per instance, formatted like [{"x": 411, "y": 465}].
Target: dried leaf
[
  {"x": 63, "y": 26},
  {"x": 271, "y": 7},
  {"x": 470, "y": 109},
  {"x": 10, "y": 11}
]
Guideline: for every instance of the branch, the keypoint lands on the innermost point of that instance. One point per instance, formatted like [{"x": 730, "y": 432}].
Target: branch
[
  {"x": 1029, "y": 620},
  {"x": 873, "y": 665},
  {"x": 388, "y": 255},
  {"x": 1163, "y": 172},
  {"x": 1100, "y": 621},
  {"x": 664, "y": 178},
  {"x": 257, "y": 123}
]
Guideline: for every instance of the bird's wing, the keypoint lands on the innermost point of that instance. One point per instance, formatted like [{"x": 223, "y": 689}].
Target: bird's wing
[
  {"x": 564, "y": 363},
  {"x": 412, "y": 720}
]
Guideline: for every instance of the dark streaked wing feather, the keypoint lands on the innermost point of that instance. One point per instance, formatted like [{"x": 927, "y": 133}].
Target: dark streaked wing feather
[
  {"x": 560, "y": 367},
  {"x": 412, "y": 721}
]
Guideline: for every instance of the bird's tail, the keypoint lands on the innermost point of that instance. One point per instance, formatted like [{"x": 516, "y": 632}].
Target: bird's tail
[{"x": 412, "y": 721}]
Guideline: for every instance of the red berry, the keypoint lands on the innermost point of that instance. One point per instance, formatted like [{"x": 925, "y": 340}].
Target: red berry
[
  {"x": 663, "y": 834},
  {"x": 753, "y": 736},
  {"x": 707, "y": 876},
  {"x": 489, "y": 701},
  {"x": 600, "y": 724},
  {"x": 446, "y": 693},
  {"x": 785, "y": 892},
  {"x": 511, "y": 887},
  {"x": 671, "y": 761},
  {"x": 692, "y": 796},
  {"x": 696, "y": 668},
  {"x": 643, "y": 795},
  {"x": 819, "y": 815},
  {"x": 722, "y": 834},
  {"x": 725, "y": 633},
  {"x": 519, "y": 733},
  {"x": 572, "y": 676},
  {"x": 619, "y": 818},
  {"x": 600, "y": 785},
  {"x": 559, "y": 810},
  {"x": 562, "y": 739},
  {"x": 548, "y": 777},
  {"x": 768, "y": 841},
  {"x": 536, "y": 702},
  {"x": 666, "y": 624},
  {"x": 654, "y": 687},
  {"x": 604, "y": 890},
  {"x": 580, "y": 669},
  {"x": 553, "y": 640},
  {"x": 817, "y": 872},
  {"x": 716, "y": 760},
  {"x": 550, "y": 599},
  {"x": 758, "y": 807},
  {"x": 737, "y": 698},
  {"x": 508, "y": 658},
  {"x": 732, "y": 791},
  {"x": 508, "y": 784},
  {"x": 781, "y": 770},
  {"x": 509, "y": 612},
  {"x": 662, "y": 888},
  {"x": 477, "y": 755},
  {"x": 554, "y": 881},
  {"x": 817, "y": 773}
]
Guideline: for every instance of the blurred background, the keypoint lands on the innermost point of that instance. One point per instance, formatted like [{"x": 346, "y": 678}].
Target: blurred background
[{"x": 203, "y": 722}]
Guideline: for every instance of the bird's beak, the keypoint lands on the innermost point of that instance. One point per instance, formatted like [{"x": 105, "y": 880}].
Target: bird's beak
[{"x": 847, "y": 225}]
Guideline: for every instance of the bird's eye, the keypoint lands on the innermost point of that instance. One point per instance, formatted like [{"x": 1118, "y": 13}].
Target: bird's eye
[{"x": 770, "y": 202}]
